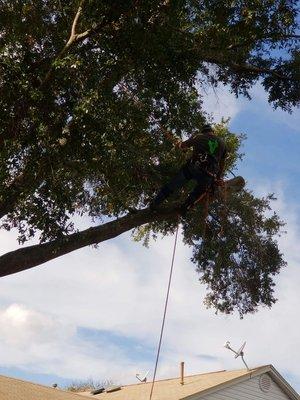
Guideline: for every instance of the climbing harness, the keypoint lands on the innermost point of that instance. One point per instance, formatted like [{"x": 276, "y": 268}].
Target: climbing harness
[
  {"x": 165, "y": 312},
  {"x": 204, "y": 162}
]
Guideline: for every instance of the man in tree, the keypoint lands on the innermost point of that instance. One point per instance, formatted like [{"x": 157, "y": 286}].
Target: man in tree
[{"x": 206, "y": 167}]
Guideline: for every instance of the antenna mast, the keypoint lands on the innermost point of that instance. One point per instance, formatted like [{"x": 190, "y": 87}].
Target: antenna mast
[
  {"x": 144, "y": 378},
  {"x": 239, "y": 353}
]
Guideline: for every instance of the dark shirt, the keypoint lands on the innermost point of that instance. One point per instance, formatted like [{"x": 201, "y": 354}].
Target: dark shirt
[{"x": 210, "y": 146}]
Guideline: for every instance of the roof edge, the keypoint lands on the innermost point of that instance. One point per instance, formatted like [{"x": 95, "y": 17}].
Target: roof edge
[
  {"x": 24, "y": 381},
  {"x": 248, "y": 375},
  {"x": 282, "y": 383}
]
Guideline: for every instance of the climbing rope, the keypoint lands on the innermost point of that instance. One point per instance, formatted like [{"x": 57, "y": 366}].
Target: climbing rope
[{"x": 165, "y": 313}]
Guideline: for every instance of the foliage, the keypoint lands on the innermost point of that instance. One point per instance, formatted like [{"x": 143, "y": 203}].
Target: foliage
[
  {"x": 238, "y": 257},
  {"x": 234, "y": 242},
  {"x": 86, "y": 87},
  {"x": 88, "y": 385}
]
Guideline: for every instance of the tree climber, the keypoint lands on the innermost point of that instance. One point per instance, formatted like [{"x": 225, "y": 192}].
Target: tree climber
[{"x": 206, "y": 167}]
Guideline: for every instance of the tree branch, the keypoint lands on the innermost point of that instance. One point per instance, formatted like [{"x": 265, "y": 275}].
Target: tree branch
[
  {"x": 94, "y": 30},
  {"x": 245, "y": 67},
  {"x": 79, "y": 37},
  {"x": 76, "y": 18},
  {"x": 32, "y": 256},
  {"x": 248, "y": 42},
  {"x": 71, "y": 40}
]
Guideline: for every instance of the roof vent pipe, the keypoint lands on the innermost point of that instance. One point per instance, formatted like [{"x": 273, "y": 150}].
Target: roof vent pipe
[{"x": 182, "y": 373}]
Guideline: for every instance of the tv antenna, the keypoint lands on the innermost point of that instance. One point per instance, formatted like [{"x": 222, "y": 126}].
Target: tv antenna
[
  {"x": 144, "y": 378},
  {"x": 239, "y": 353}
]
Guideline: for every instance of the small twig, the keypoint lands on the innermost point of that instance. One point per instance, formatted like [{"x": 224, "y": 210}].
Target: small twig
[
  {"x": 71, "y": 40},
  {"x": 79, "y": 37},
  {"x": 94, "y": 30},
  {"x": 79, "y": 11}
]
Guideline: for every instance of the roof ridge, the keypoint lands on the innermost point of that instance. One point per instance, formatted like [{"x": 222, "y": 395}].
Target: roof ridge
[
  {"x": 194, "y": 375},
  {"x": 172, "y": 379}
]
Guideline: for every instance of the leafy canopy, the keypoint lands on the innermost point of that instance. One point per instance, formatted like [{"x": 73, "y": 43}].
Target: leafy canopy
[{"x": 85, "y": 89}]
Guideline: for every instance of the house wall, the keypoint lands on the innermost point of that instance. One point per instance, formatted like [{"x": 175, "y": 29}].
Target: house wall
[{"x": 248, "y": 390}]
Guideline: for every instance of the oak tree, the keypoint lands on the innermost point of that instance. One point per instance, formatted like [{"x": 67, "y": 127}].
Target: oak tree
[{"x": 92, "y": 96}]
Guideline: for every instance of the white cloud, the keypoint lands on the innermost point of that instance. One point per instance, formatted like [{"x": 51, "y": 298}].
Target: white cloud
[
  {"x": 41, "y": 343},
  {"x": 21, "y": 326},
  {"x": 120, "y": 287},
  {"x": 260, "y": 104},
  {"x": 220, "y": 102}
]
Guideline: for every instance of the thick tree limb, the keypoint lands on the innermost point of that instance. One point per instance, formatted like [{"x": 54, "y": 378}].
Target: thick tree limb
[
  {"x": 245, "y": 68},
  {"x": 32, "y": 256}
]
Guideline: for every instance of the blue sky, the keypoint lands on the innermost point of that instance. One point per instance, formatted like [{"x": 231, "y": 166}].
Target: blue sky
[
  {"x": 96, "y": 312},
  {"x": 272, "y": 145}
]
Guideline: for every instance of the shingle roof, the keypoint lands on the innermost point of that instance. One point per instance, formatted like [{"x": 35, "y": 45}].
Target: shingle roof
[
  {"x": 16, "y": 389},
  {"x": 171, "y": 389}
]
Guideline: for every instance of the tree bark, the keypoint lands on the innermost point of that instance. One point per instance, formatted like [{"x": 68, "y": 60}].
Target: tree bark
[{"x": 32, "y": 256}]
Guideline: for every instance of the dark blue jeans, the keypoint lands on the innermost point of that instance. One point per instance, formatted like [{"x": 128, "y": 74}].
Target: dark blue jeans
[{"x": 185, "y": 174}]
